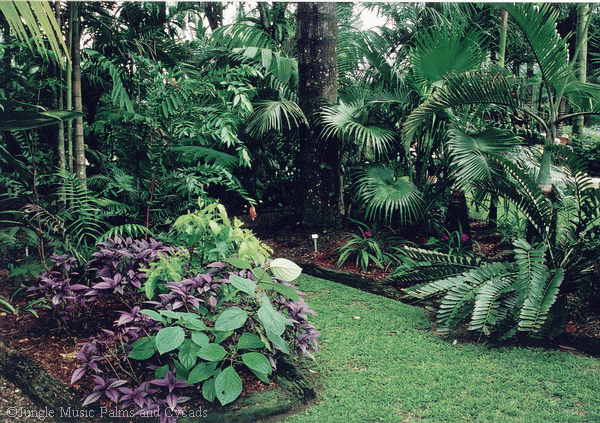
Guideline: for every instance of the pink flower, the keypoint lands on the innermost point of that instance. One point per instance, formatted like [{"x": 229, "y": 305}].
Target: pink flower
[
  {"x": 464, "y": 237},
  {"x": 445, "y": 237},
  {"x": 368, "y": 234}
]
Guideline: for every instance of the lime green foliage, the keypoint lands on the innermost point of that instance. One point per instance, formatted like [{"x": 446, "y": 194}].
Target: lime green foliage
[
  {"x": 212, "y": 236},
  {"x": 379, "y": 363}
]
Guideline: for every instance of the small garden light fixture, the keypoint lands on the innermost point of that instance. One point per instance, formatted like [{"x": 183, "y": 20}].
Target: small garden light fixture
[{"x": 314, "y": 237}]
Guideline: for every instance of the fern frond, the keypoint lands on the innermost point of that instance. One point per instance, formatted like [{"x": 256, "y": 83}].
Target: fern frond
[{"x": 132, "y": 230}]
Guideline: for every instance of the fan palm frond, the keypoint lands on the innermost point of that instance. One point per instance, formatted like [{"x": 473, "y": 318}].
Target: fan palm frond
[
  {"x": 466, "y": 153},
  {"x": 446, "y": 49},
  {"x": 275, "y": 115},
  {"x": 386, "y": 194},
  {"x": 349, "y": 122}
]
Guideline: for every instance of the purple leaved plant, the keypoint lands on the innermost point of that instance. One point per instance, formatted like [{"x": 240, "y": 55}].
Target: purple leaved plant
[{"x": 118, "y": 263}]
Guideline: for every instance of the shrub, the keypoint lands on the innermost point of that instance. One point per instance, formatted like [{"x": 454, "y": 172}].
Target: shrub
[
  {"x": 200, "y": 333},
  {"x": 209, "y": 235}
]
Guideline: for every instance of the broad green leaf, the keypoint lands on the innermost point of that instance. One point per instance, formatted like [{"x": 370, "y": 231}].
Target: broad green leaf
[
  {"x": 208, "y": 390},
  {"x": 161, "y": 371},
  {"x": 244, "y": 285},
  {"x": 249, "y": 340},
  {"x": 181, "y": 373},
  {"x": 154, "y": 316},
  {"x": 231, "y": 319},
  {"x": 257, "y": 362},
  {"x": 278, "y": 341},
  {"x": 261, "y": 376},
  {"x": 270, "y": 318},
  {"x": 170, "y": 338},
  {"x": 220, "y": 336},
  {"x": 239, "y": 263},
  {"x": 195, "y": 324},
  {"x": 200, "y": 339},
  {"x": 285, "y": 269},
  {"x": 212, "y": 352},
  {"x": 188, "y": 354},
  {"x": 262, "y": 275},
  {"x": 286, "y": 291},
  {"x": 228, "y": 385},
  {"x": 171, "y": 314},
  {"x": 143, "y": 349},
  {"x": 202, "y": 372}
]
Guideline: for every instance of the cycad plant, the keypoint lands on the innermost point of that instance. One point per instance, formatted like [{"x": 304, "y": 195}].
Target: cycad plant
[{"x": 527, "y": 293}]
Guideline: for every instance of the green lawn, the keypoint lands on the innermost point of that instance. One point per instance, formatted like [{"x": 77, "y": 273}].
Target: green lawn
[{"x": 379, "y": 363}]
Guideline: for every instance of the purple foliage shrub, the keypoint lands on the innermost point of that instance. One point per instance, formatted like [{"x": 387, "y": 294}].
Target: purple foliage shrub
[
  {"x": 119, "y": 262},
  {"x": 193, "y": 308}
]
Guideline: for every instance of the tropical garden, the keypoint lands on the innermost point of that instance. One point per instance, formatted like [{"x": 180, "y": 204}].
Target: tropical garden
[{"x": 142, "y": 144}]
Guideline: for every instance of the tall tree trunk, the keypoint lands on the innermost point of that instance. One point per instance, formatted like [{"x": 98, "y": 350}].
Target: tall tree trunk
[
  {"x": 214, "y": 13},
  {"x": 78, "y": 140},
  {"x": 318, "y": 80},
  {"x": 583, "y": 15},
  {"x": 502, "y": 38}
]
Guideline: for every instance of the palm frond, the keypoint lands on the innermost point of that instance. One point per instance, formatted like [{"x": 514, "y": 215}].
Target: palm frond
[
  {"x": 481, "y": 87},
  {"x": 387, "y": 195},
  {"x": 445, "y": 49},
  {"x": 466, "y": 153},
  {"x": 349, "y": 123},
  {"x": 537, "y": 21},
  {"x": 275, "y": 115}
]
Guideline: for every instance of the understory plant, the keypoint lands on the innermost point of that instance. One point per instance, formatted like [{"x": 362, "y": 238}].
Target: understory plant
[
  {"x": 185, "y": 327},
  {"x": 364, "y": 248},
  {"x": 529, "y": 292},
  {"x": 456, "y": 243}
]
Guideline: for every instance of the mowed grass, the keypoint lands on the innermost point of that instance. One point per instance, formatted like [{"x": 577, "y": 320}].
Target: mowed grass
[{"x": 379, "y": 363}]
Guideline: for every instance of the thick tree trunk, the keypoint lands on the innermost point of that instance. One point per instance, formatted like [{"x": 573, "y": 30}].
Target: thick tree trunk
[
  {"x": 318, "y": 80},
  {"x": 78, "y": 140},
  {"x": 214, "y": 14}
]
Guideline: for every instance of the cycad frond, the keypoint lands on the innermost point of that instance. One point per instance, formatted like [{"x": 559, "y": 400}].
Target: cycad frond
[
  {"x": 537, "y": 305},
  {"x": 459, "y": 301},
  {"x": 488, "y": 311},
  {"x": 523, "y": 192}
]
